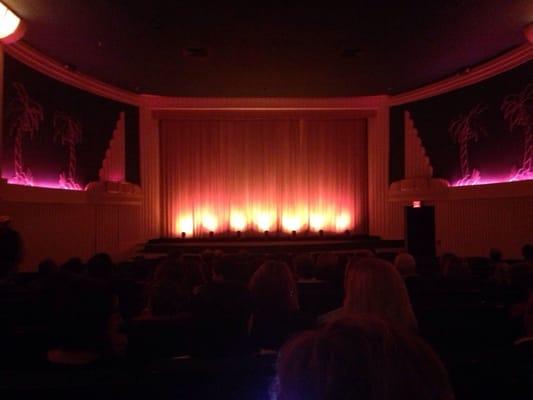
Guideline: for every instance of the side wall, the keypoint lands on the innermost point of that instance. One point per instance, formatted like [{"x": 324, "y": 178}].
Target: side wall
[
  {"x": 58, "y": 223},
  {"x": 471, "y": 219}
]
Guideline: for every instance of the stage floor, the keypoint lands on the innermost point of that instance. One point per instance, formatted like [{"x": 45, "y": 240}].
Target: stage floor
[{"x": 272, "y": 245}]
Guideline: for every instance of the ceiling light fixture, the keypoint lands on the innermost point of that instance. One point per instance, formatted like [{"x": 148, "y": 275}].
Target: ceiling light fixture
[{"x": 11, "y": 26}]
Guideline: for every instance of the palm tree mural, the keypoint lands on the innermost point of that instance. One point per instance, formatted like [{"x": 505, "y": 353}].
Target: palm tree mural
[
  {"x": 25, "y": 116},
  {"x": 518, "y": 113},
  {"x": 464, "y": 129},
  {"x": 68, "y": 131}
]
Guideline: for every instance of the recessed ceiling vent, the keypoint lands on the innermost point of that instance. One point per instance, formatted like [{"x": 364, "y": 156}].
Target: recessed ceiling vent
[
  {"x": 351, "y": 52},
  {"x": 195, "y": 52}
]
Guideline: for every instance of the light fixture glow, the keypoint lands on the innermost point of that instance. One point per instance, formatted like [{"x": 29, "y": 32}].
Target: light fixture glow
[
  {"x": 237, "y": 221},
  {"x": 291, "y": 223},
  {"x": 9, "y": 25},
  {"x": 317, "y": 222},
  {"x": 264, "y": 221},
  {"x": 417, "y": 204},
  {"x": 342, "y": 222},
  {"x": 210, "y": 222},
  {"x": 185, "y": 225}
]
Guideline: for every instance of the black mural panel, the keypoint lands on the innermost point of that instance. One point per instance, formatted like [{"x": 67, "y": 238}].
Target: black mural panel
[
  {"x": 51, "y": 128},
  {"x": 467, "y": 131}
]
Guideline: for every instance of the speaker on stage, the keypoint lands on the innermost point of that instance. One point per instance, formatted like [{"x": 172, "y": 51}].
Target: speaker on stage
[{"x": 420, "y": 231}]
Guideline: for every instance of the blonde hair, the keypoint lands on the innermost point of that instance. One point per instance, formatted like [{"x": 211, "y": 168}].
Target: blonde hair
[
  {"x": 374, "y": 286},
  {"x": 405, "y": 264}
]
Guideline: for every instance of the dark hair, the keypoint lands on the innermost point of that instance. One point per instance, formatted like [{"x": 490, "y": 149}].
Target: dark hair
[
  {"x": 74, "y": 266},
  {"x": 495, "y": 255},
  {"x": 527, "y": 252},
  {"x": 304, "y": 266},
  {"x": 100, "y": 266},
  {"x": 47, "y": 267},
  {"x": 360, "y": 358},
  {"x": 82, "y": 313}
]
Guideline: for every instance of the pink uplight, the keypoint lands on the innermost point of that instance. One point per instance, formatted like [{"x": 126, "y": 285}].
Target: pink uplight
[
  {"x": 514, "y": 177},
  {"x": 43, "y": 184}
]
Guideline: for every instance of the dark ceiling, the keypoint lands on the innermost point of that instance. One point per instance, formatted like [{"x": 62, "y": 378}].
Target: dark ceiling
[{"x": 272, "y": 48}]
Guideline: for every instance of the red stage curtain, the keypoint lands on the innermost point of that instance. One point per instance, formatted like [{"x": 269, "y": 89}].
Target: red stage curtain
[{"x": 263, "y": 174}]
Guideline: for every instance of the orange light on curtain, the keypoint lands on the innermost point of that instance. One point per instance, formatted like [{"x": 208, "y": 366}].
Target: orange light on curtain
[
  {"x": 264, "y": 221},
  {"x": 264, "y": 174},
  {"x": 210, "y": 222},
  {"x": 291, "y": 223},
  {"x": 185, "y": 224},
  {"x": 237, "y": 221},
  {"x": 342, "y": 222}
]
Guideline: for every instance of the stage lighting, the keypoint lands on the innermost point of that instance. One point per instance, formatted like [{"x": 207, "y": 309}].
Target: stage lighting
[
  {"x": 11, "y": 26},
  {"x": 185, "y": 225},
  {"x": 342, "y": 222},
  {"x": 237, "y": 221},
  {"x": 291, "y": 223},
  {"x": 264, "y": 222},
  {"x": 210, "y": 222},
  {"x": 316, "y": 222}
]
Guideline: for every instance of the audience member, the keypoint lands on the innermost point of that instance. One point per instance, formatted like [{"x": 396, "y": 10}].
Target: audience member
[
  {"x": 100, "y": 266},
  {"x": 85, "y": 324},
  {"x": 406, "y": 265},
  {"x": 275, "y": 301},
  {"x": 304, "y": 267},
  {"x": 175, "y": 282},
  {"x": 221, "y": 312},
  {"x": 501, "y": 270},
  {"x": 360, "y": 357},
  {"x": 374, "y": 286},
  {"x": 74, "y": 266}
]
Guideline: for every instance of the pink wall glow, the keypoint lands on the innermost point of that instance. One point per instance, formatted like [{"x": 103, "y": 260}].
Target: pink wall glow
[
  {"x": 44, "y": 184},
  {"x": 516, "y": 177}
]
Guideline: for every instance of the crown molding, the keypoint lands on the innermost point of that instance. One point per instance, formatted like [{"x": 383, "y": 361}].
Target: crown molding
[
  {"x": 505, "y": 62},
  {"x": 53, "y": 69},
  {"x": 161, "y": 103}
]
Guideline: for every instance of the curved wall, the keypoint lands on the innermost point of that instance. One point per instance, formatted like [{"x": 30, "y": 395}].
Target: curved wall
[{"x": 119, "y": 221}]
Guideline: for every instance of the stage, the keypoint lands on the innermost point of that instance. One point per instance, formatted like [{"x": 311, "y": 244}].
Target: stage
[{"x": 274, "y": 244}]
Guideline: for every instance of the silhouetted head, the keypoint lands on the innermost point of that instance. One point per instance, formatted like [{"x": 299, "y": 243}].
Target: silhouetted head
[
  {"x": 527, "y": 252},
  {"x": 374, "y": 286},
  {"x": 273, "y": 288},
  {"x": 100, "y": 266},
  {"x": 304, "y": 266},
  {"x": 74, "y": 266},
  {"x": 361, "y": 358},
  {"x": 47, "y": 267},
  {"x": 405, "y": 264}
]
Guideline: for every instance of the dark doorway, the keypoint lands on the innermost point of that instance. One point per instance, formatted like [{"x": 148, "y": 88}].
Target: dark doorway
[{"x": 420, "y": 231}]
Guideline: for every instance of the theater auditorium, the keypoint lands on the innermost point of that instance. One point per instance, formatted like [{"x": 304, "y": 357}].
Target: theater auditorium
[{"x": 276, "y": 200}]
